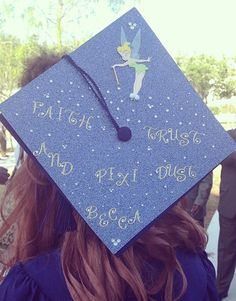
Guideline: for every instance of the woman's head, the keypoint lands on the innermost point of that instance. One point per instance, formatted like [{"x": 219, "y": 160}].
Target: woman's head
[
  {"x": 102, "y": 276},
  {"x": 125, "y": 51},
  {"x": 35, "y": 65},
  {"x": 92, "y": 273}
]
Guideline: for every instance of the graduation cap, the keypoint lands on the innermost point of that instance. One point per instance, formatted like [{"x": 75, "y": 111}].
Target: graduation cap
[{"x": 119, "y": 130}]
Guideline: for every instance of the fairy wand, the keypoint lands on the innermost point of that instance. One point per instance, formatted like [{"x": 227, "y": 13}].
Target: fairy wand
[{"x": 117, "y": 80}]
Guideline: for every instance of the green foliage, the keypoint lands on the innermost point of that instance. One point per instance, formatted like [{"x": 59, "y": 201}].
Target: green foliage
[
  {"x": 215, "y": 110},
  {"x": 200, "y": 71},
  {"x": 12, "y": 56},
  {"x": 116, "y": 4},
  {"x": 228, "y": 108},
  {"x": 11, "y": 53},
  {"x": 225, "y": 84},
  {"x": 208, "y": 74},
  {"x": 51, "y": 19}
]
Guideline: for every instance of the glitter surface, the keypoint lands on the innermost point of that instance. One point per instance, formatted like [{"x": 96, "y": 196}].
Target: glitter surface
[{"x": 119, "y": 188}]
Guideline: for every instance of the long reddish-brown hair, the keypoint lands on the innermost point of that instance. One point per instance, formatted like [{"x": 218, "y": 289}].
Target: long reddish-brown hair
[{"x": 91, "y": 272}]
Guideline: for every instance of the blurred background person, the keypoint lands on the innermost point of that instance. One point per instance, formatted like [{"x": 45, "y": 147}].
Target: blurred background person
[
  {"x": 4, "y": 175},
  {"x": 227, "y": 220},
  {"x": 197, "y": 197},
  {"x": 3, "y": 141}
]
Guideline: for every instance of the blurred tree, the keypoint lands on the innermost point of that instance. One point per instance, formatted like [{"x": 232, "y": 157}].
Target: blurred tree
[
  {"x": 35, "y": 25},
  {"x": 54, "y": 18},
  {"x": 201, "y": 71},
  {"x": 207, "y": 74},
  {"x": 57, "y": 21},
  {"x": 6, "y": 11},
  {"x": 215, "y": 110},
  {"x": 116, "y": 5},
  {"x": 225, "y": 83},
  {"x": 50, "y": 20},
  {"x": 12, "y": 55},
  {"x": 10, "y": 65}
]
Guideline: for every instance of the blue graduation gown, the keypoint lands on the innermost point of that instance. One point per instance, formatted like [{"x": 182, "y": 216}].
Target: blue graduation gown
[{"x": 41, "y": 279}]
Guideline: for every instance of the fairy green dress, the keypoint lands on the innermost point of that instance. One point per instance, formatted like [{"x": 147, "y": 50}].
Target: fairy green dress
[{"x": 139, "y": 68}]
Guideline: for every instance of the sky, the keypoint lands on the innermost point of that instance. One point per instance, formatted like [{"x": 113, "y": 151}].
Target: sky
[
  {"x": 194, "y": 26},
  {"x": 185, "y": 27}
]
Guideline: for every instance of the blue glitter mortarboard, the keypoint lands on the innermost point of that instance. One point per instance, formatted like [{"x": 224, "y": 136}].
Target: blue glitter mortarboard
[{"x": 119, "y": 129}]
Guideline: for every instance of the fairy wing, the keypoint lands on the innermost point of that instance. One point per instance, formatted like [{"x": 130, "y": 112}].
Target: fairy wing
[
  {"x": 123, "y": 38},
  {"x": 135, "y": 46}
]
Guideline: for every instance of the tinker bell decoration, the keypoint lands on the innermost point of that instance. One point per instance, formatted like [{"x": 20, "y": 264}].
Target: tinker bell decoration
[{"x": 130, "y": 54}]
